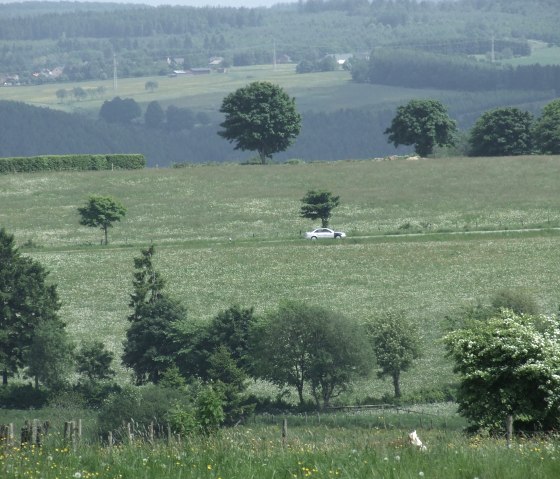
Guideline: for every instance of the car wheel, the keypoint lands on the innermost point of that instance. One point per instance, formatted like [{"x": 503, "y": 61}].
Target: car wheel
[
  {"x": 313, "y": 238},
  {"x": 337, "y": 237}
]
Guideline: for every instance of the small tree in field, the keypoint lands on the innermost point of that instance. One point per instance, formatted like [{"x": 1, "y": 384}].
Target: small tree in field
[
  {"x": 424, "y": 124},
  {"x": 318, "y": 204},
  {"x": 508, "y": 366},
  {"x": 396, "y": 345},
  {"x": 260, "y": 117},
  {"x": 102, "y": 212}
]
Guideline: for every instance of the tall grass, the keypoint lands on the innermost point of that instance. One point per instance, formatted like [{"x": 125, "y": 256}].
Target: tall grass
[{"x": 308, "y": 452}]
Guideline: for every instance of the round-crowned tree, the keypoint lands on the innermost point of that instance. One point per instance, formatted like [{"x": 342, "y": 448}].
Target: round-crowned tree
[
  {"x": 424, "y": 124},
  {"x": 508, "y": 366},
  {"x": 260, "y": 117},
  {"x": 502, "y": 132},
  {"x": 547, "y": 129}
]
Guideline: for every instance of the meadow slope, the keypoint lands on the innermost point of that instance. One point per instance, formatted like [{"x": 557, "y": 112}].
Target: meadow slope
[{"x": 230, "y": 234}]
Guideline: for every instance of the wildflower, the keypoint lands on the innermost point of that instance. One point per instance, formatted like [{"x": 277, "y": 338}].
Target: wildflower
[
  {"x": 397, "y": 458},
  {"x": 421, "y": 474},
  {"x": 209, "y": 467},
  {"x": 77, "y": 474}
]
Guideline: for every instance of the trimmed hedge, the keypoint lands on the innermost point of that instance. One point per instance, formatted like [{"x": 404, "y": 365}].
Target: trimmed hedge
[{"x": 71, "y": 163}]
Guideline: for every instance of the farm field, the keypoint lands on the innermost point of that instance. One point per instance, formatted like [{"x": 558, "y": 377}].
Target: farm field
[
  {"x": 326, "y": 91},
  {"x": 230, "y": 234}
]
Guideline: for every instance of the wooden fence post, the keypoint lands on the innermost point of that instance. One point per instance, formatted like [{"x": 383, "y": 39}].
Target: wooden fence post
[
  {"x": 509, "y": 429},
  {"x": 7, "y": 435},
  {"x": 284, "y": 431}
]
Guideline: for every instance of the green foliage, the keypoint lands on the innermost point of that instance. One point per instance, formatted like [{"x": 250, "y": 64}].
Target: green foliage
[
  {"x": 22, "y": 396},
  {"x": 93, "y": 361},
  {"x": 229, "y": 329},
  {"x": 26, "y": 301},
  {"x": 260, "y": 117},
  {"x": 301, "y": 345},
  {"x": 151, "y": 86},
  {"x": 547, "y": 129},
  {"x": 517, "y": 300},
  {"x": 118, "y": 110},
  {"x": 318, "y": 204},
  {"x": 209, "y": 412},
  {"x": 149, "y": 347},
  {"x": 102, "y": 212},
  {"x": 154, "y": 116},
  {"x": 502, "y": 132},
  {"x": 508, "y": 366},
  {"x": 147, "y": 283},
  {"x": 424, "y": 124},
  {"x": 70, "y": 162},
  {"x": 396, "y": 344},
  {"x": 142, "y": 405},
  {"x": 50, "y": 355},
  {"x": 230, "y": 382}
]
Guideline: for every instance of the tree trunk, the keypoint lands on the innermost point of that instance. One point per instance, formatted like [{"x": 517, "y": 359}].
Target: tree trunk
[
  {"x": 262, "y": 157},
  {"x": 5, "y": 377},
  {"x": 36, "y": 382},
  {"x": 396, "y": 384},
  {"x": 105, "y": 228},
  {"x": 300, "y": 393}
]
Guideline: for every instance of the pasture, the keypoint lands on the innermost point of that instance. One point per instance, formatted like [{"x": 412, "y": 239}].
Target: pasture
[
  {"x": 326, "y": 91},
  {"x": 426, "y": 237}
]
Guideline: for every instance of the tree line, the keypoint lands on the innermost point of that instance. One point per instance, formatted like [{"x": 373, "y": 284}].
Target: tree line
[
  {"x": 413, "y": 69},
  {"x": 505, "y": 131}
]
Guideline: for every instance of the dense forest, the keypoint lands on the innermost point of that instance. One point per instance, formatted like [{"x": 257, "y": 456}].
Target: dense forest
[
  {"x": 84, "y": 37},
  {"x": 455, "y": 48}
]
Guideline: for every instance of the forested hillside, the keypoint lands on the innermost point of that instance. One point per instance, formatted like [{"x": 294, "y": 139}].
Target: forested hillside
[{"x": 462, "y": 53}]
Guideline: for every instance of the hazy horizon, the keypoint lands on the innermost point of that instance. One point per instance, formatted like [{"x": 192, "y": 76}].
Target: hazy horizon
[{"x": 191, "y": 3}]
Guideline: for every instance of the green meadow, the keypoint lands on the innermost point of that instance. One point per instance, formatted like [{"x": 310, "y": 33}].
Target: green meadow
[
  {"x": 426, "y": 237},
  {"x": 326, "y": 91}
]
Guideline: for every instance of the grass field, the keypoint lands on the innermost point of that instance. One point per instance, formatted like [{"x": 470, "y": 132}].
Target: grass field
[
  {"x": 366, "y": 448},
  {"x": 230, "y": 234},
  {"x": 325, "y": 91}
]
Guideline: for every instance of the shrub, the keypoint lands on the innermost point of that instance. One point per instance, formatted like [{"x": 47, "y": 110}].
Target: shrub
[{"x": 17, "y": 396}]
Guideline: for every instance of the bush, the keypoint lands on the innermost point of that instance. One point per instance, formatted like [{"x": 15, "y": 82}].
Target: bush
[
  {"x": 17, "y": 396},
  {"x": 71, "y": 162}
]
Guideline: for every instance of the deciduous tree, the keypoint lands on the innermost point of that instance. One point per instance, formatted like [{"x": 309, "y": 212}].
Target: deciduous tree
[
  {"x": 260, "y": 117},
  {"x": 102, "y": 212},
  {"x": 301, "y": 345},
  {"x": 318, "y": 204},
  {"x": 50, "y": 355},
  {"x": 396, "y": 345},
  {"x": 502, "y": 132},
  {"x": 508, "y": 366},
  {"x": 547, "y": 129},
  {"x": 424, "y": 124},
  {"x": 118, "y": 110}
]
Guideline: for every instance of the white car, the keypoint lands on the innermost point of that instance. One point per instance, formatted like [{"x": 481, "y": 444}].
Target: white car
[{"x": 321, "y": 233}]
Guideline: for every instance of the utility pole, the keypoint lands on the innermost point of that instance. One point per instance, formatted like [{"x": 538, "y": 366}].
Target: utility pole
[
  {"x": 492, "y": 52},
  {"x": 114, "y": 72},
  {"x": 274, "y": 55}
]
